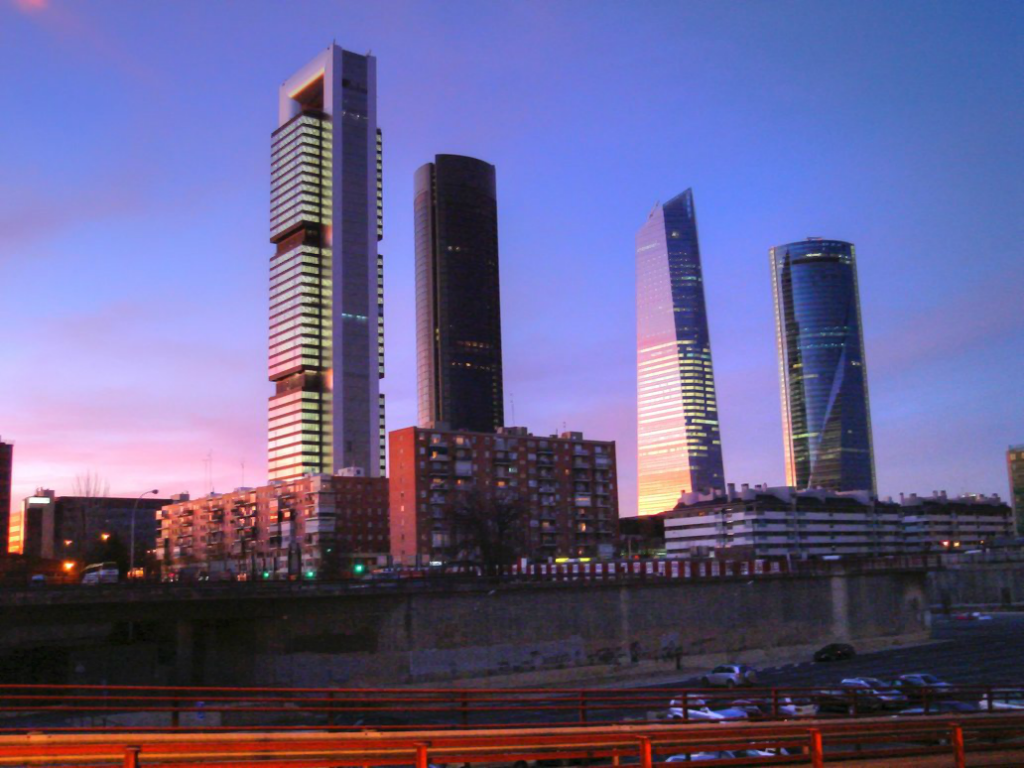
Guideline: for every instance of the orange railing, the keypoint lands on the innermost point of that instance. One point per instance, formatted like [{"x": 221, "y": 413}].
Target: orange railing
[
  {"x": 879, "y": 742},
  {"x": 109, "y": 708}
]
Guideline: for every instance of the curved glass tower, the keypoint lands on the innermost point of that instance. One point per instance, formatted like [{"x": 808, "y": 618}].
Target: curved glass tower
[
  {"x": 458, "y": 301},
  {"x": 825, "y": 415},
  {"x": 679, "y": 449}
]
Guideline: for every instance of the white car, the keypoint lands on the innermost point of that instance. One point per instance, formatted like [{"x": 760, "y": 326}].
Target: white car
[
  {"x": 800, "y": 707},
  {"x": 698, "y": 711},
  {"x": 101, "y": 573},
  {"x": 1004, "y": 701},
  {"x": 729, "y": 676},
  {"x": 726, "y": 754}
]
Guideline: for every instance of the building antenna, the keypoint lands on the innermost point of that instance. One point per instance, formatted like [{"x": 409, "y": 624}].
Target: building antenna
[
  {"x": 512, "y": 405},
  {"x": 243, "y": 473}
]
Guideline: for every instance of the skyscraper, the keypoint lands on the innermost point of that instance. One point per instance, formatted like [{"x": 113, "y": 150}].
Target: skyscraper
[
  {"x": 1015, "y": 467},
  {"x": 458, "y": 303},
  {"x": 825, "y": 415},
  {"x": 678, "y": 440},
  {"x": 326, "y": 277},
  {"x": 6, "y": 461}
]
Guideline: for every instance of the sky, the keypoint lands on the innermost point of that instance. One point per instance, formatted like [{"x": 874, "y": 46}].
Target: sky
[{"x": 134, "y": 197}]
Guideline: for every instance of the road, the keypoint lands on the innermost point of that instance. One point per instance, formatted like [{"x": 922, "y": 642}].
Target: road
[{"x": 963, "y": 653}]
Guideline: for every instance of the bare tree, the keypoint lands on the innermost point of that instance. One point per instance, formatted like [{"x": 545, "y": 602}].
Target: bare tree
[
  {"x": 90, "y": 488},
  {"x": 489, "y": 528}
]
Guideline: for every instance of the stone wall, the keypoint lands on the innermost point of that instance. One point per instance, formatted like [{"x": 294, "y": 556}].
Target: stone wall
[{"x": 383, "y": 640}]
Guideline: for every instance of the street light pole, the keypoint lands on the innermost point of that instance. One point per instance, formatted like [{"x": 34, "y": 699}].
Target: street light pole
[{"x": 131, "y": 552}]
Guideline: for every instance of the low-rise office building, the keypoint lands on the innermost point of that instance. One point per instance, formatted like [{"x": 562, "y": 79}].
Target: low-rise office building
[
  {"x": 75, "y": 527},
  {"x": 783, "y": 521},
  {"x": 563, "y": 488},
  {"x": 315, "y": 526}
]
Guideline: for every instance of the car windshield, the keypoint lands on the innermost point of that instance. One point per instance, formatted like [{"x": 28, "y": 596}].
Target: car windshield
[
  {"x": 718, "y": 670},
  {"x": 930, "y": 679}
]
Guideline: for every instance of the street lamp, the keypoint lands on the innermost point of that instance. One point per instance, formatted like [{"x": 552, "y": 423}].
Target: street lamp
[{"x": 131, "y": 553}]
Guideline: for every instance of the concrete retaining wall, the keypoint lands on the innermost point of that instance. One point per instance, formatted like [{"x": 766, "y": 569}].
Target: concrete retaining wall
[{"x": 442, "y": 636}]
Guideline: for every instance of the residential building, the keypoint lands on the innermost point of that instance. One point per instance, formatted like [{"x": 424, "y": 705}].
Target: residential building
[
  {"x": 786, "y": 521},
  {"x": 826, "y": 419},
  {"x": 938, "y": 523},
  {"x": 458, "y": 301},
  {"x": 678, "y": 439},
  {"x": 317, "y": 526},
  {"x": 1015, "y": 468},
  {"x": 563, "y": 487},
  {"x": 6, "y": 467},
  {"x": 74, "y": 527},
  {"x": 326, "y": 277}
]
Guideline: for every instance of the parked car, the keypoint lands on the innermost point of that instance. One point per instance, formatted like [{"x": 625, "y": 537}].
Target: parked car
[
  {"x": 944, "y": 708},
  {"x": 697, "y": 710},
  {"x": 1005, "y": 700},
  {"x": 835, "y": 652},
  {"x": 725, "y": 754},
  {"x": 797, "y": 706},
  {"x": 729, "y": 676},
  {"x": 871, "y": 691},
  {"x": 846, "y": 700},
  {"x": 915, "y": 686},
  {"x": 101, "y": 573},
  {"x": 972, "y": 616}
]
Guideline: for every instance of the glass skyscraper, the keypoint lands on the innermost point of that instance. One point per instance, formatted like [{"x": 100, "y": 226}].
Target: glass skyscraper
[
  {"x": 326, "y": 277},
  {"x": 458, "y": 301},
  {"x": 678, "y": 440},
  {"x": 825, "y": 415}
]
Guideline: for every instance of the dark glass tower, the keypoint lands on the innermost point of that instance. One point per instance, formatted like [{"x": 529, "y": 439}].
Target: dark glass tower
[
  {"x": 825, "y": 415},
  {"x": 458, "y": 305},
  {"x": 678, "y": 439}
]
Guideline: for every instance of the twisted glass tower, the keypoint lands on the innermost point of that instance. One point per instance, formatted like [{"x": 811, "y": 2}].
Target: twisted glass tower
[
  {"x": 825, "y": 415},
  {"x": 678, "y": 440},
  {"x": 326, "y": 277}
]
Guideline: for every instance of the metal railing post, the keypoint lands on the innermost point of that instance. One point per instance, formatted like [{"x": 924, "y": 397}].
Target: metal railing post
[
  {"x": 421, "y": 756},
  {"x": 991, "y": 698},
  {"x": 645, "y": 752},
  {"x": 131, "y": 757},
  {"x": 583, "y": 706},
  {"x": 686, "y": 707},
  {"x": 957, "y": 742},
  {"x": 775, "y": 703},
  {"x": 927, "y": 702},
  {"x": 175, "y": 713},
  {"x": 816, "y": 749},
  {"x": 464, "y": 707}
]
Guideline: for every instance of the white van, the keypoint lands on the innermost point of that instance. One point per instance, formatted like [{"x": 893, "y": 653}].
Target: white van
[{"x": 101, "y": 573}]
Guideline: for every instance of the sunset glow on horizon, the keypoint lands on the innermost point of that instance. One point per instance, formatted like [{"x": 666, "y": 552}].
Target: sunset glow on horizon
[{"x": 134, "y": 214}]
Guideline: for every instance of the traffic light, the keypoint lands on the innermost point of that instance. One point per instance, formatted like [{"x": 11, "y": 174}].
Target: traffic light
[
  {"x": 266, "y": 574},
  {"x": 358, "y": 569}
]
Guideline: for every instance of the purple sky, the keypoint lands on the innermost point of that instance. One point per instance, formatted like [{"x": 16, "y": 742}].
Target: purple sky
[{"x": 134, "y": 183}]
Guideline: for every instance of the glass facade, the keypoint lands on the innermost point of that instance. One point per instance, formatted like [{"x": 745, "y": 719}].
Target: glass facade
[
  {"x": 458, "y": 304},
  {"x": 678, "y": 440},
  {"x": 825, "y": 414},
  {"x": 326, "y": 353},
  {"x": 1015, "y": 467}
]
